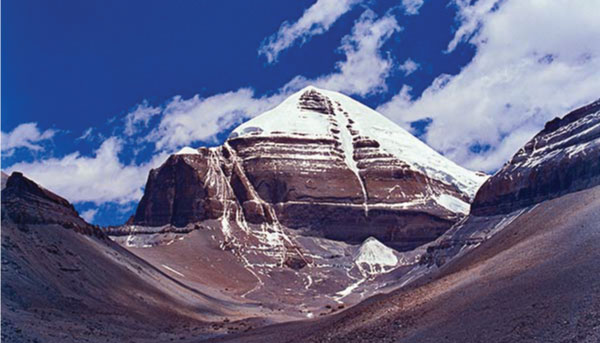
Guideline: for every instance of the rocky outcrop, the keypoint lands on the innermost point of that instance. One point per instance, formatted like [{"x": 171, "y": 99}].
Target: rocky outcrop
[
  {"x": 563, "y": 158},
  {"x": 25, "y": 202},
  {"x": 320, "y": 163},
  {"x": 176, "y": 193}
]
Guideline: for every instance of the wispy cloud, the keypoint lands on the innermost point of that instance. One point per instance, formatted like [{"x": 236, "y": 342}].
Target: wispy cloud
[
  {"x": 316, "y": 20},
  {"x": 365, "y": 69},
  {"x": 25, "y": 136},
  {"x": 408, "y": 67},
  {"x": 86, "y": 135},
  {"x": 471, "y": 18},
  {"x": 512, "y": 86},
  {"x": 412, "y": 7},
  {"x": 139, "y": 117}
]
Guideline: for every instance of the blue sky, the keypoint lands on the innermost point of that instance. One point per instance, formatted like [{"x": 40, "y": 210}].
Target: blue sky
[{"x": 95, "y": 93}]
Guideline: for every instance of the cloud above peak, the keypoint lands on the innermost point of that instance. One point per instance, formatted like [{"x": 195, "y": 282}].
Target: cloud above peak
[
  {"x": 315, "y": 20},
  {"x": 200, "y": 119},
  {"x": 365, "y": 69},
  {"x": 139, "y": 117}
]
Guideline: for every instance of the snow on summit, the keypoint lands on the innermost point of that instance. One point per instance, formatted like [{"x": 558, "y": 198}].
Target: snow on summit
[
  {"x": 301, "y": 115},
  {"x": 187, "y": 151}
]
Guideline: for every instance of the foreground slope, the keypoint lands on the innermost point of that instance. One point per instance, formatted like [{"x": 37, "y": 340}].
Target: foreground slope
[
  {"x": 524, "y": 269},
  {"x": 64, "y": 280}
]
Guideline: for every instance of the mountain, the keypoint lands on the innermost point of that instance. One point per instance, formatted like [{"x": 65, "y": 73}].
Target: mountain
[
  {"x": 522, "y": 267},
  {"x": 310, "y": 207},
  {"x": 302, "y": 212},
  {"x": 320, "y": 163}
]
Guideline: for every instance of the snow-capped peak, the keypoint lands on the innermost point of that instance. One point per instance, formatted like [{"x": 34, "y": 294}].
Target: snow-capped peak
[{"x": 301, "y": 115}]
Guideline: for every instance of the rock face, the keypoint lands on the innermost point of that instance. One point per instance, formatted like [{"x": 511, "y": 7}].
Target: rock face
[
  {"x": 320, "y": 163},
  {"x": 562, "y": 158},
  {"x": 176, "y": 193}
]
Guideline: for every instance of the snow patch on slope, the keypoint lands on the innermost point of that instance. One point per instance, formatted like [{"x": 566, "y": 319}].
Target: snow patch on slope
[
  {"x": 374, "y": 257},
  {"x": 452, "y": 204}
]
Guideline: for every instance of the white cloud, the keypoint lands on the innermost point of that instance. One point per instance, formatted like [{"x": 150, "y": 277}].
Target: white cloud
[
  {"x": 470, "y": 18},
  {"x": 25, "y": 136},
  {"x": 365, "y": 70},
  {"x": 316, "y": 20},
  {"x": 399, "y": 106},
  {"x": 411, "y": 7},
  {"x": 141, "y": 115},
  {"x": 87, "y": 134},
  {"x": 201, "y": 119},
  {"x": 89, "y": 215},
  {"x": 409, "y": 66},
  {"x": 535, "y": 60},
  {"x": 98, "y": 179}
]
